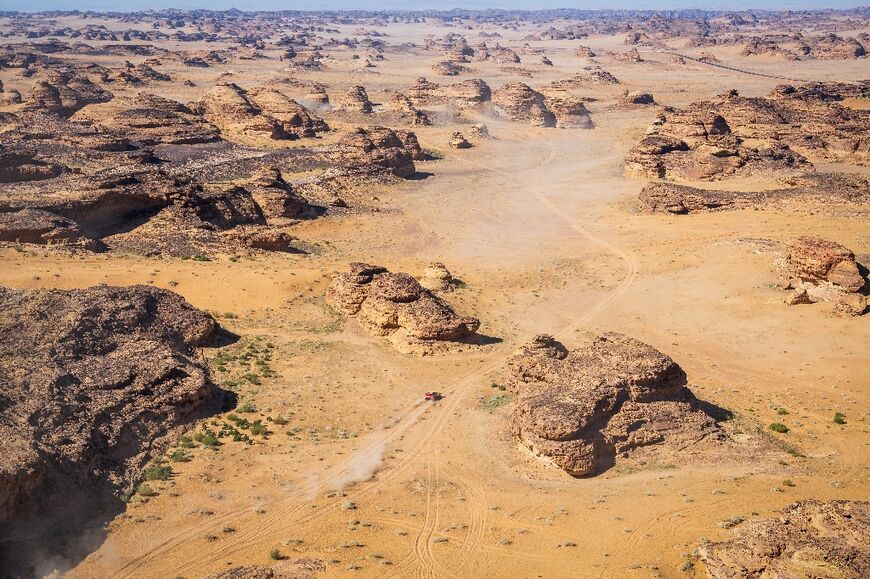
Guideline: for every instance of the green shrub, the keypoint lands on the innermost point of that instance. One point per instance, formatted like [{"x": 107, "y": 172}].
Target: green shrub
[
  {"x": 839, "y": 418},
  {"x": 179, "y": 456},
  {"x": 158, "y": 472},
  {"x": 146, "y": 491},
  {"x": 779, "y": 427},
  {"x": 276, "y": 555}
]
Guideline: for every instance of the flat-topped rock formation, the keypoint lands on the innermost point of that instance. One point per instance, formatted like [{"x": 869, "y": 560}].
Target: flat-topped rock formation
[{"x": 582, "y": 410}]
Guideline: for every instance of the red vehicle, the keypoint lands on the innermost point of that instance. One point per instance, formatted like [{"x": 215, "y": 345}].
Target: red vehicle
[{"x": 433, "y": 396}]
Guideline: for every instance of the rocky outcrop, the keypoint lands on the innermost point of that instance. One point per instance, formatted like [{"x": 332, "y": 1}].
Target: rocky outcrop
[
  {"x": 64, "y": 93},
  {"x": 582, "y": 410},
  {"x": 819, "y": 270},
  {"x": 833, "y": 47},
  {"x": 228, "y": 107},
  {"x": 448, "y": 68},
  {"x": 816, "y": 192},
  {"x": 356, "y": 100},
  {"x": 458, "y": 141},
  {"x": 633, "y": 99},
  {"x": 414, "y": 115},
  {"x": 816, "y": 260},
  {"x": 465, "y": 94},
  {"x": 519, "y": 102},
  {"x": 94, "y": 379},
  {"x": 396, "y": 305},
  {"x": 787, "y": 129},
  {"x": 151, "y": 120},
  {"x": 584, "y": 52},
  {"x": 295, "y": 120},
  {"x": 810, "y": 538},
  {"x": 375, "y": 148},
  {"x": 275, "y": 197},
  {"x": 22, "y": 164},
  {"x": 438, "y": 278},
  {"x": 766, "y": 47},
  {"x": 43, "y": 228},
  {"x": 570, "y": 111}
]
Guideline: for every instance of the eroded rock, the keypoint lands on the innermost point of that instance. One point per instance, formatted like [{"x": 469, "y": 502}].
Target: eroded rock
[
  {"x": 582, "y": 409},
  {"x": 396, "y": 305}
]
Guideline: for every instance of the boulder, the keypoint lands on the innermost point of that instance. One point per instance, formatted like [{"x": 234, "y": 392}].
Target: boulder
[
  {"x": 437, "y": 278},
  {"x": 817, "y": 260},
  {"x": 458, "y": 141}
]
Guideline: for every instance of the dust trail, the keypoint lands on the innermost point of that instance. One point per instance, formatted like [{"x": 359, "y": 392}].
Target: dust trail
[{"x": 365, "y": 461}]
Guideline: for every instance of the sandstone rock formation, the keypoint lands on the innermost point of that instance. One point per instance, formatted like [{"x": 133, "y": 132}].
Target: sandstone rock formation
[
  {"x": 294, "y": 119},
  {"x": 810, "y": 538},
  {"x": 822, "y": 270},
  {"x": 275, "y": 197},
  {"x": 151, "y": 120},
  {"x": 519, "y": 102},
  {"x": 356, "y": 100},
  {"x": 583, "y": 409},
  {"x": 93, "y": 380},
  {"x": 817, "y": 192},
  {"x": 43, "y": 228},
  {"x": 570, "y": 111},
  {"x": 414, "y": 115},
  {"x": 448, "y": 68},
  {"x": 396, "y": 305},
  {"x": 228, "y": 107},
  {"x": 22, "y": 164},
  {"x": 437, "y": 278},
  {"x": 465, "y": 94},
  {"x": 816, "y": 260},
  {"x": 376, "y": 148},
  {"x": 585, "y": 52},
  {"x": 787, "y": 129},
  {"x": 64, "y": 92}
]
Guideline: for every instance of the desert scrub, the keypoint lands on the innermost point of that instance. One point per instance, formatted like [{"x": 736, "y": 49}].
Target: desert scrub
[
  {"x": 259, "y": 429},
  {"x": 207, "y": 438},
  {"x": 275, "y": 555},
  {"x": 145, "y": 490},
  {"x": 496, "y": 401},
  {"x": 159, "y": 471},
  {"x": 179, "y": 456},
  {"x": 778, "y": 427},
  {"x": 731, "y": 522},
  {"x": 839, "y": 418}
]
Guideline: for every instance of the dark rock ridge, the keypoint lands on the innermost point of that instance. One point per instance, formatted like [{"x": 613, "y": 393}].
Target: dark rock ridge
[{"x": 92, "y": 381}]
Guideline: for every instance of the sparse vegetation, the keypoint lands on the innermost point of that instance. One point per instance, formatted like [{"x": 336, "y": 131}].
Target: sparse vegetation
[
  {"x": 778, "y": 427},
  {"x": 839, "y": 418}
]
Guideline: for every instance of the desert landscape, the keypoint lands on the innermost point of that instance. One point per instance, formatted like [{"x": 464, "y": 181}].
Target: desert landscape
[{"x": 502, "y": 293}]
